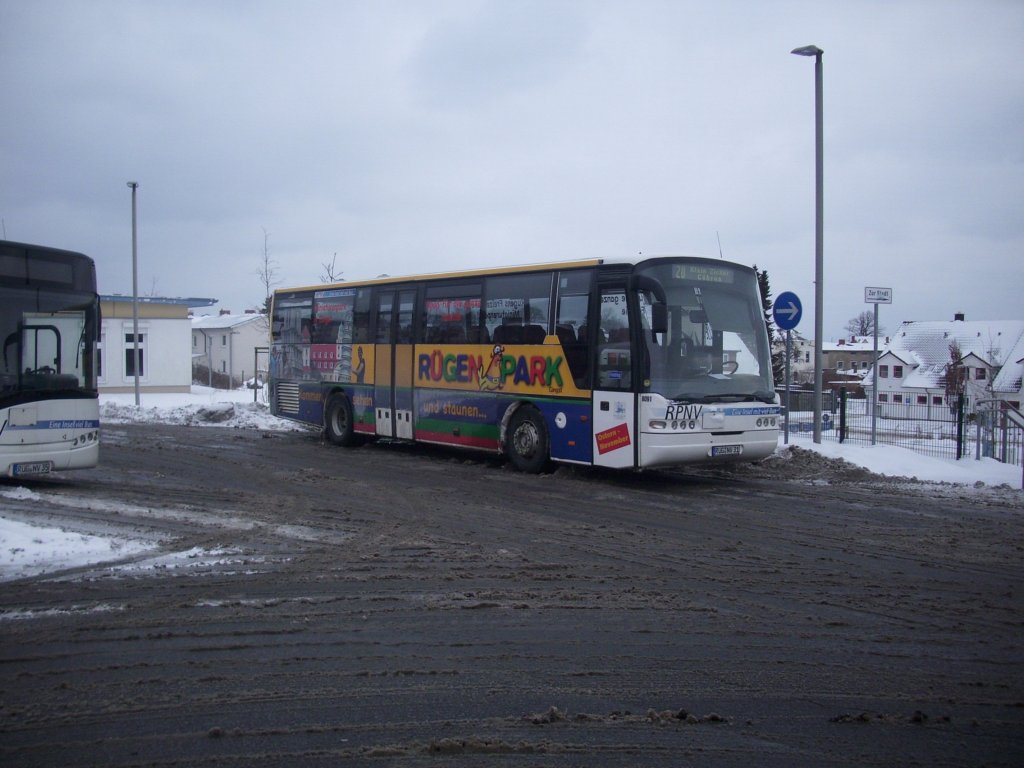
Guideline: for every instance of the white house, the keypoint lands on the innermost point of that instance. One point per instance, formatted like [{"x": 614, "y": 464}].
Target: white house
[
  {"x": 226, "y": 344},
  {"x": 163, "y": 349},
  {"x": 912, "y": 368}
]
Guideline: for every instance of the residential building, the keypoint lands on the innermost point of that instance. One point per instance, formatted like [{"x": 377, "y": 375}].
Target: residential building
[
  {"x": 851, "y": 356},
  {"x": 912, "y": 370},
  {"x": 163, "y": 344},
  {"x": 225, "y": 345},
  {"x": 801, "y": 361}
]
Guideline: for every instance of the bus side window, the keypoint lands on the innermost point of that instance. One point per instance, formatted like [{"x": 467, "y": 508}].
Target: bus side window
[
  {"x": 571, "y": 329},
  {"x": 614, "y": 361},
  {"x": 384, "y": 304},
  {"x": 516, "y": 302},
  {"x": 361, "y": 322}
]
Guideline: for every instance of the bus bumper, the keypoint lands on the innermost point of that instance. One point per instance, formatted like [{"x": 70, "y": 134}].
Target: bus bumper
[{"x": 669, "y": 449}]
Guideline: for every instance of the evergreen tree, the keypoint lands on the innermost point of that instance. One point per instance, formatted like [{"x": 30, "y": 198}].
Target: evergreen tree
[{"x": 778, "y": 357}]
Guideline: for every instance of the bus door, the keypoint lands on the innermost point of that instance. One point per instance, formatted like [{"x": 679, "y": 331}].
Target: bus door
[
  {"x": 614, "y": 402},
  {"x": 393, "y": 363}
]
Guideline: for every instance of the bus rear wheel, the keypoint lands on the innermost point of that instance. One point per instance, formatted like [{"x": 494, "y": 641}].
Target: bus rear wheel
[
  {"x": 527, "y": 445},
  {"x": 339, "y": 424}
]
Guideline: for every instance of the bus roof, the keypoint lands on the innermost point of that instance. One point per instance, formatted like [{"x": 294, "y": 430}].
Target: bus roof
[
  {"x": 485, "y": 271},
  {"x": 384, "y": 279}
]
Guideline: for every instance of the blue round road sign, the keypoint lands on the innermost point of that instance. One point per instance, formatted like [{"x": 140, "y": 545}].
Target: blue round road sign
[{"x": 787, "y": 310}]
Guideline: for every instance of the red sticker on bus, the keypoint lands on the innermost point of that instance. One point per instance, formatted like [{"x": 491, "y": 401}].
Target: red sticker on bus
[{"x": 611, "y": 439}]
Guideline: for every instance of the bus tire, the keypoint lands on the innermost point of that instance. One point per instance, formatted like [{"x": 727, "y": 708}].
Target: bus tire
[
  {"x": 527, "y": 445},
  {"x": 339, "y": 423}
]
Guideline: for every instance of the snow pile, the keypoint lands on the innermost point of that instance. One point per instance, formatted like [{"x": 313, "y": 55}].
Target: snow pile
[
  {"x": 201, "y": 407},
  {"x": 893, "y": 461},
  {"x": 28, "y": 550}
]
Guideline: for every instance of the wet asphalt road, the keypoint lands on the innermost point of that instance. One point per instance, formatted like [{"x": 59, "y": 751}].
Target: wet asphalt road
[{"x": 395, "y": 605}]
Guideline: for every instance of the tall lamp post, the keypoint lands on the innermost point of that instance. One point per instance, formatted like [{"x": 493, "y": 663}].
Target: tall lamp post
[
  {"x": 134, "y": 185},
  {"x": 819, "y": 229}
]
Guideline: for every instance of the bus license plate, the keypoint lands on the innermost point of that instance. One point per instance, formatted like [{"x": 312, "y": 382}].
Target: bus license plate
[
  {"x": 726, "y": 450},
  {"x": 31, "y": 468}
]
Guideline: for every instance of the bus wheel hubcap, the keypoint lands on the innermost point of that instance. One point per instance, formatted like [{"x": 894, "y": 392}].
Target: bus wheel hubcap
[{"x": 526, "y": 439}]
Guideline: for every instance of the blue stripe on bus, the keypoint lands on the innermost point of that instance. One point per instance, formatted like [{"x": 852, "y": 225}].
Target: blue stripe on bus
[
  {"x": 59, "y": 424},
  {"x": 768, "y": 411}
]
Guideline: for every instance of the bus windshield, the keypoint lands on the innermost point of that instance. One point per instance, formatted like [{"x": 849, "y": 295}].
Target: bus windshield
[
  {"x": 47, "y": 339},
  {"x": 704, "y": 332}
]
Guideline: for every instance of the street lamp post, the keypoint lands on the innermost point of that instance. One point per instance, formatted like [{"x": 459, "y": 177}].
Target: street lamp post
[
  {"x": 819, "y": 230},
  {"x": 134, "y": 185}
]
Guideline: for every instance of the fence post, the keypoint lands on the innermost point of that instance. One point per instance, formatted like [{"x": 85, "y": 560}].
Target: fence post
[
  {"x": 842, "y": 414},
  {"x": 959, "y": 425}
]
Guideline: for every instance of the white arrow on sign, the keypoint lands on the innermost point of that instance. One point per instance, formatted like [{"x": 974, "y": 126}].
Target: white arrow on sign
[{"x": 791, "y": 310}]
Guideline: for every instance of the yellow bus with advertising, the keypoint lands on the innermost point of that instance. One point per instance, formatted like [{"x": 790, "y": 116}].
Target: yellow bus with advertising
[{"x": 629, "y": 364}]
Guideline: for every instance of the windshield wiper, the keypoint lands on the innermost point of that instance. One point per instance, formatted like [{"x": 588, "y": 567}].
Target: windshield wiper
[
  {"x": 734, "y": 397},
  {"x": 691, "y": 397}
]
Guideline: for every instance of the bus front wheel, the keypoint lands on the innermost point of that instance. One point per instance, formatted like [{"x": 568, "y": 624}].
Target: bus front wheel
[
  {"x": 527, "y": 445},
  {"x": 339, "y": 425}
]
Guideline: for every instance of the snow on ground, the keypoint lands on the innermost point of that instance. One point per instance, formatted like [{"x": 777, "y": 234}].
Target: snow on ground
[
  {"x": 27, "y": 550},
  {"x": 893, "y": 461},
  {"x": 203, "y": 406}
]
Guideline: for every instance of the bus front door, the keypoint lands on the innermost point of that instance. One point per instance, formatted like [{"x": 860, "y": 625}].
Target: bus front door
[{"x": 614, "y": 402}]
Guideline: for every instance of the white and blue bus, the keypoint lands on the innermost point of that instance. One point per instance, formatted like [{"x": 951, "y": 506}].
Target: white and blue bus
[
  {"x": 49, "y": 327},
  {"x": 649, "y": 363}
]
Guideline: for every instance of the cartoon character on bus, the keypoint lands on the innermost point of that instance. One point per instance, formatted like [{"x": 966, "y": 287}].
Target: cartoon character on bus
[{"x": 490, "y": 377}]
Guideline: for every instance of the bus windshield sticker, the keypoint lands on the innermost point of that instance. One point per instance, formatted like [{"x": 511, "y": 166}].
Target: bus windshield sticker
[{"x": 612, "y": 439}]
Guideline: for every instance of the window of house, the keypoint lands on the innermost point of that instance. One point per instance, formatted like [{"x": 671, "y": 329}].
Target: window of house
[
  {"x": 883, "y": 371},
  {"x": 883, "y": 398},
  {"x": 223, "y": 366},
  {"x": 897, "y": 371},
  {"x": 979, "y": 374},
  {"x": 129, "y": 355},
  {"x": 840, "y": 365},
  {"x": 223, "y": 340},
  {"x": 936, "y": 399},
  {"x": 807, "y": 357},
  {"x": 897, "y": 398},
  {"x": 922, "y": 400}
]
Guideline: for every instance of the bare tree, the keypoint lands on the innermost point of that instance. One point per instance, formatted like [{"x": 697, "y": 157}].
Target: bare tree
[
  {"x": 331, "y": 273},
  {"x": 267, "y": 271},
  {"x": 954, "y": 375},
  {"x": 863, "y": 324}
]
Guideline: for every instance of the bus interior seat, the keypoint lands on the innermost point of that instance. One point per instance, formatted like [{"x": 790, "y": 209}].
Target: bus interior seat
[
  {"x": 565, "y": 333},
  {"x": 534, "y": 334}
]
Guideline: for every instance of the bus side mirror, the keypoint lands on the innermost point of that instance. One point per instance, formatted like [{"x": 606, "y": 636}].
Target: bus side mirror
[{"x": 659, "y": 318}]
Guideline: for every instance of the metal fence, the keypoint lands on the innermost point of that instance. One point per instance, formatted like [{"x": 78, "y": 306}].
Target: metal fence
[
  {"x": 928, "y": 429},
  {"x": 989, "y": 429}
]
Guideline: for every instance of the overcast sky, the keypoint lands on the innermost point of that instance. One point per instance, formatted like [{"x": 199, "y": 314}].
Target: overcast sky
[{"x": 422, "y": 135}]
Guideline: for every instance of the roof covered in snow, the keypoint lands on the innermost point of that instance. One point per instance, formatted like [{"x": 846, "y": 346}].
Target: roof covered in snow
[
  {"x": 223, "y": 322},
  {"x": 926, "y": 346}
]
